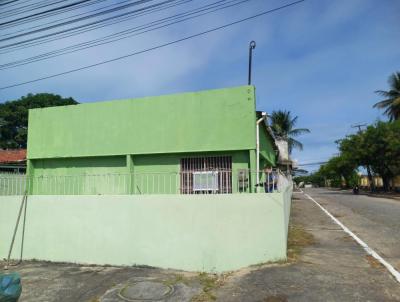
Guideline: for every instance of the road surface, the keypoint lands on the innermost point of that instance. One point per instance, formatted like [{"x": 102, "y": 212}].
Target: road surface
[{"x": 375, "y": 220}]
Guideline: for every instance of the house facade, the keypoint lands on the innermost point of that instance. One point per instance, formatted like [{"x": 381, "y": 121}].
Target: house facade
[
  {"x": 189, "y": 143},
  {"x": 13, "y": 161}
]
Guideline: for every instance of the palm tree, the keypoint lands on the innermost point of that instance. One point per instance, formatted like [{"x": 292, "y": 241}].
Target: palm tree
[
  {"x": 282, "y": 125},
  {"x": 391, "y": 103}
]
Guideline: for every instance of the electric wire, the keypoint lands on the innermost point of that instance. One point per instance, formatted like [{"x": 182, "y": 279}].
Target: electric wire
[
  {"x": 154, "y": 25},
  {"x": 65, "y": 18},
  {"x": 44, "y": 12},
  {"x": 51, "y": 14},
  {"x": 78, "y": 20},
  {"x": 87, "y": 27},
  {"x": 96, "y": 26},
  {"x": 214, "y": 29},
  {"x": 28, "y": 8}
]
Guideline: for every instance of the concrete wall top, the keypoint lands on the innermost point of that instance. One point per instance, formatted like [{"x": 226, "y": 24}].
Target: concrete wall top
[{"x": 213, "y": 120}]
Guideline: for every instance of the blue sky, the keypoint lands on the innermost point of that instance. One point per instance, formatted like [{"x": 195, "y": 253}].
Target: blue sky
[{"x": 322, "y": 60}]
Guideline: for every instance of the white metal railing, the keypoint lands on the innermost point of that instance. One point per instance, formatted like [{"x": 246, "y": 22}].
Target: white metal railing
[{"x": 188, "y": 182}]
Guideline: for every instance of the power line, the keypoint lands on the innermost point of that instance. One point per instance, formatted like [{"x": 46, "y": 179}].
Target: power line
[
  {"x": 2, "y": 4},
  {"x": 79, "y": 20},
  {"x": 45, "y": 12},
  {"x": 59, "y": 12},
  {"x": 154, "y": 25},
  {"x": 66, "y": 18},
  {"x": 28, "y": 8},
  {"x": 128, "y": 16},
  {"x": 156, "y": 47},
  {"x": 312, "y": 164}
]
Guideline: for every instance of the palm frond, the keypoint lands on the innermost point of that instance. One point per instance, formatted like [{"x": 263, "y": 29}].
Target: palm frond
[
  {"x": 394, "y": 81},
  {"x": 383, "y": 104},
  {"x": 294, "y": 144},
  {"x": 299, "y": 131},
  {"x": 293, "y": 122}
]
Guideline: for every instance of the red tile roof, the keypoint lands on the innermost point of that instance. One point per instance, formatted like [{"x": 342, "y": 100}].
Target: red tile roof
[{"x": 12, "y": 156}]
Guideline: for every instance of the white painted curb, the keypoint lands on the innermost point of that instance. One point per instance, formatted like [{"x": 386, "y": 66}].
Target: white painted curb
[{"x": 370, "y": 251}]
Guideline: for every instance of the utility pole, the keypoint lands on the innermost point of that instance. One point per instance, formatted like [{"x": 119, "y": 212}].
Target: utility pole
[
  {"x": 252, "y": 46},
  {"x": 370, "y": 178},
  {"x": 359, "y": 127}
]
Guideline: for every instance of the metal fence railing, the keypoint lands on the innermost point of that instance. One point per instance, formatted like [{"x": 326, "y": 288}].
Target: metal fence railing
[{"x": 188, "y": 182}]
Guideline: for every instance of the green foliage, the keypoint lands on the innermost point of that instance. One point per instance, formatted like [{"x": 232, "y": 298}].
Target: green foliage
[
  {"x": 14, "y": 117},
  {"x": 391, "y": 101},
  {"x": 340, "y": 171},
  {"x": 378, "y": 146},
  {"x": 283, "y": 126},
  {"x": 315, "y": 178}
]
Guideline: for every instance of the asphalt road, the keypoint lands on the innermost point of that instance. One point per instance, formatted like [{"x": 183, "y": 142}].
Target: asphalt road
[{"x": 375, "y": 220}]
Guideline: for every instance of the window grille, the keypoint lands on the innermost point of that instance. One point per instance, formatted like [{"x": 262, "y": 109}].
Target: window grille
[{"x": 206, "y": 175}]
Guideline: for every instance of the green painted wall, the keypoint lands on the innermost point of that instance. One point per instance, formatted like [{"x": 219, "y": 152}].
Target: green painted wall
[
  {"x": 195, "y": 233},
  {"x": 214, "y": 120},
  {"x": 267, "y": 150},
  {"x": 136, "y": 174}
]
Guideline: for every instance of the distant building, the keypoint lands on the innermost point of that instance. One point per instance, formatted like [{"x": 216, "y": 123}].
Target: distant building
[
  {"x": 378, "y": 182},
  {"x": 13, "y": 161}
]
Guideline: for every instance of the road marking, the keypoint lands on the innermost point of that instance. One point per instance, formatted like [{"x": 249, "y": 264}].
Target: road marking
[{"x": 365, "y": 246}]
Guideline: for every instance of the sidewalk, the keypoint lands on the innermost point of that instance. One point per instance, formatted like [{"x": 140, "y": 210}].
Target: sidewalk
[{"x": 395, "y": 196}]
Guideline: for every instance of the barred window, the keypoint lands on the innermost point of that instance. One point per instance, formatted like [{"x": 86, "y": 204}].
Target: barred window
[{"x": 206, "y": 175}]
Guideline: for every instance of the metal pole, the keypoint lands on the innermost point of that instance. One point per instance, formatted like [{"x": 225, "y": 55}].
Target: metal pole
[{"x": 251, "y": 47}]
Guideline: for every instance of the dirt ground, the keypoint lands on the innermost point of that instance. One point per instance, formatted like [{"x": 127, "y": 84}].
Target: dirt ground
[{"x": 324, "y": 265}]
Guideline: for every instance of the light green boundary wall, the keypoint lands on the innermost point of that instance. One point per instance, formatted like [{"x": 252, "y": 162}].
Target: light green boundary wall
[{"x": 213, "y": 233}]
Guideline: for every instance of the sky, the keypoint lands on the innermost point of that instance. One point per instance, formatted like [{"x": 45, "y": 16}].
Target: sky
[{"x": 320, "y": 59}]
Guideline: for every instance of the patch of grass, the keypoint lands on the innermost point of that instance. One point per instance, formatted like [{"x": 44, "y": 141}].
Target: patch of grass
[
  {"x": 298, "y": 238},
  {"x": 209, "y": 282},
  {"x": 374, "y": 263},
  {"x": 347, "y": 238},
  {"x": 278, "y": 298},
  {"x": 177, "y": 279}
]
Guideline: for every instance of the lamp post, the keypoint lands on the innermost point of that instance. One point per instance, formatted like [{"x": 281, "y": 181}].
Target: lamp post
[{"x": 251, "y": 47}]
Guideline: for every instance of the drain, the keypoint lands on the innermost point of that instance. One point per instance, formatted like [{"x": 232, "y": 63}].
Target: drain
[{"x": 145, "y": 291}]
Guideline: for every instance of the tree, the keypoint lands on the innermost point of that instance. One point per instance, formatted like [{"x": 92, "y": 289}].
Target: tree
[
  {"x": 391, "y": 103},
  {"x": 14, "y": 117},
  {"x": 340, "y": 168},
  {"x": 379, "y": 147},
  {"x": 283, "y": 126}
]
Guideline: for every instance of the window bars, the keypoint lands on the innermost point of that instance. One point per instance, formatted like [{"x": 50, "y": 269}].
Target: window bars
[{"x": 206, "y": 175}]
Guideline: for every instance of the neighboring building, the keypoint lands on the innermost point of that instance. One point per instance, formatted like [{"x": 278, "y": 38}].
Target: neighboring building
[
  {"x": 378, "y": 182},
  {"x": 202, "y": 142},
  {"x": 13, "y": 161}
]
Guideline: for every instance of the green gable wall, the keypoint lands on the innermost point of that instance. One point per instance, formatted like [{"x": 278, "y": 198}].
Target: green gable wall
[
  {"x": 267, "y": 149},
  {"x": 215, "y": 120}
]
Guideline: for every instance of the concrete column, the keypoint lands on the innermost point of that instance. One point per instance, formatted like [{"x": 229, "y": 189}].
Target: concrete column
[
  {"x": 130, "y": 168},
  {"x": 252, "y": 167},
  {"x": 29, "y": 176}
]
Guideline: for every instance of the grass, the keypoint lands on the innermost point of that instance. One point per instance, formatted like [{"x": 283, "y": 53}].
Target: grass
[
  {"x": 177, "y": 279},
  {"x": 209, "y": 282},
  {"x": 275, "y": 299},
  {"x": 374, "y": 263},
  {"x": 298, "y": 239}
]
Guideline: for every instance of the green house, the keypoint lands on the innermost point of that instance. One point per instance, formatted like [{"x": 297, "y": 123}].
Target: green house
[{"x": 188, "y": 143}]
